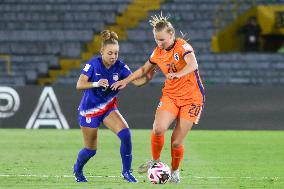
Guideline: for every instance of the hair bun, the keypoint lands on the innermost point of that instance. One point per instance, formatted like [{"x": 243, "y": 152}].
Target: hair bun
[
  {"x": 105, "y": 35},
  {"x": 108, "y": 35}
]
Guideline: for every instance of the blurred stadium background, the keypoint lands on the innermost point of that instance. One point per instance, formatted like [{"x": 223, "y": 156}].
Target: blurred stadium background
[{"x": 44, "y": 44}]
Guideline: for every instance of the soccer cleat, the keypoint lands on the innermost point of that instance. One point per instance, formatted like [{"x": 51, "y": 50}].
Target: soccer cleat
[
  {"x": 127, "y": 175},
  {"x": 79, "y": 176},
  {"x": 145, "y": 166},
  {"x": 175, "y": 177}
]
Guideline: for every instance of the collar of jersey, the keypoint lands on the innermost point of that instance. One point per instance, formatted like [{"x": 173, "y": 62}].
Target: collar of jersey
[
  {"x": 102, "y": 64},
  {"x": 172, "y": 46}
]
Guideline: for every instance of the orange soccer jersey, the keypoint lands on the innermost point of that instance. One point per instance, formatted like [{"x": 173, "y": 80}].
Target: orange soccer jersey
[{"x": 185, "y": 90}]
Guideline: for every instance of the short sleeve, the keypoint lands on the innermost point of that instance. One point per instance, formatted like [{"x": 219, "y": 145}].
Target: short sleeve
[
  {"x": 88, "y": 69},
  {"x": 152, "y": 58},
  {"x": 152, "y": 62},
  {"x": 186, "y": 49},
  {"x": 125, "y": 71}
]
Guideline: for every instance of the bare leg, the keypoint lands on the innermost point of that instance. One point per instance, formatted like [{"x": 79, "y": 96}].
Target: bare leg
[
  {"x": 90, "y": 136},
  {"x": 116, "y": 123},
  {"x": 180, "y": 132},
  {"x": 163, "y": 120},
  {"x": 177, "y": 149}
]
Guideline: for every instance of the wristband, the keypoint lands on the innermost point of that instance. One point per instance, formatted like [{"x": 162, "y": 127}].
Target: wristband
[{"x": 95, "y": 84}]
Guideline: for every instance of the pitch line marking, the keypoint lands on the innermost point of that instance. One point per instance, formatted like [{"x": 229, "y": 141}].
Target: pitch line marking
[{"x": 113, "y": 176}]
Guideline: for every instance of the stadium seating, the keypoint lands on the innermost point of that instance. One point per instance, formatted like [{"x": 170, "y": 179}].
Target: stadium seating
[
  {"x": 37, "y": 34},
  {"x": 195, "y": 19}
]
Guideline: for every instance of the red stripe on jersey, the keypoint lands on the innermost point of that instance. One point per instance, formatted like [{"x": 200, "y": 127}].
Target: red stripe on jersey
[{"x": 111, "y": 104}]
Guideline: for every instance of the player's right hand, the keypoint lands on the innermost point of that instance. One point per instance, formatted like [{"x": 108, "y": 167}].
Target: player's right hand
[{"x": 103, "y": 83}]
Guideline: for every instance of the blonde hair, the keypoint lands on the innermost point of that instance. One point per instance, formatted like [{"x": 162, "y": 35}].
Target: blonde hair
[
  {"x": 160, "y": 22},
  {"x": 109, "y": 37}
]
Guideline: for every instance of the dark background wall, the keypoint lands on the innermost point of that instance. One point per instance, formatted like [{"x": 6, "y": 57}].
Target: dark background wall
[{"x": 227, "y": 107}]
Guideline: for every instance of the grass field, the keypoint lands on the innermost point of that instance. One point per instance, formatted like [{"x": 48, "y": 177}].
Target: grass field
[{"x": 213, "y": 159}]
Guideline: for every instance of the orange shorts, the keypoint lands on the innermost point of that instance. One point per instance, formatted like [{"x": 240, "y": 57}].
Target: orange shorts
[{"x": 190, "y": 111}]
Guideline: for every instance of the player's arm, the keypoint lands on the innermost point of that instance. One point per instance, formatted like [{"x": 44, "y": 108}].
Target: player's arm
[
  {"x": 139, "y": 73},
  {"x": 191, "y": 66},
  {"x": 145, "y": 79},
  {"x": 83, "y": 83}
]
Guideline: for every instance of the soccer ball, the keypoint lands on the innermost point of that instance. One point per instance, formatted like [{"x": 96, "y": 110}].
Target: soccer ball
[{"x": 159, "y": 173}]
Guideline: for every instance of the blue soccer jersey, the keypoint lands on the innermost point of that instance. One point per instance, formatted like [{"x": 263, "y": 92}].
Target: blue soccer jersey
[{"x": 96, "y": 101}]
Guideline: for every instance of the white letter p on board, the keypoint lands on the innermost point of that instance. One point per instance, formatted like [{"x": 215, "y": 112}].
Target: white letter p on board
[{"x": 10, "y": 102}]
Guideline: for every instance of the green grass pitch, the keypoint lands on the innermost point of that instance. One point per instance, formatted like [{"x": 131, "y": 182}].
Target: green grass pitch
[{"x": 213, "y": 159}]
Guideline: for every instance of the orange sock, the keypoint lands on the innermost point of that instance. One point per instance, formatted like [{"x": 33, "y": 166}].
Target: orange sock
[
  {"x": 172, "y": 140},
  {"x": 177, "y": 156},
  {"x": 157, "y": 143}
]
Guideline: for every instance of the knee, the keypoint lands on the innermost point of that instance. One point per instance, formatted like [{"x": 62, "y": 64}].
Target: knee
[
  {"x": 91, "y": 144},
  {"x": 176, "y": 144},
  {"x": 124, "y": 134},
  {"x": 158, "y": 129},
  {"x": 158, "y": 132},
  {"x": 120, "y": 127}
]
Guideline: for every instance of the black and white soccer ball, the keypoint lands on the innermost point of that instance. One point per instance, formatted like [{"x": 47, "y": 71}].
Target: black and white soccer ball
[{"x": 159, "y": 173}]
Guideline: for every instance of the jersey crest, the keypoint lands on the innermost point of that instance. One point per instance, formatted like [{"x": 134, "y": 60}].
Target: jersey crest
[
  {"x": 88, "y": 120},
  {"x": 115, "y": 76},
  {"x": 176, "y": 56}
]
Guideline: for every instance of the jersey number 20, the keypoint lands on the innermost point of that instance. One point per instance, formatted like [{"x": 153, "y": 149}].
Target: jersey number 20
[{"x": 172, "y": 68}]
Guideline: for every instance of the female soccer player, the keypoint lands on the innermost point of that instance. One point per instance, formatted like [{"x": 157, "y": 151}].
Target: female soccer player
[
  {"x": 99, "y": 105},
  {"x": 182, "y": 96}
]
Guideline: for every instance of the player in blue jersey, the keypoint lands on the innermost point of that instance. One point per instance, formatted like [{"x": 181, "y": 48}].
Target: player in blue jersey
[{"x": 99, "y": 104}]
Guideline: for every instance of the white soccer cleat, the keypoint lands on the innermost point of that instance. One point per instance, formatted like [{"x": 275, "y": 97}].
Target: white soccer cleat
[
  {"x": 145, "y": 166},
  {"x": 175, "y": 178}
]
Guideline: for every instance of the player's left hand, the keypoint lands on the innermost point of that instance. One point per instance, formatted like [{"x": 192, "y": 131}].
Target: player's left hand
[
  {"x": 172, "y": 76},
  {"x": 118, "y": 85}
]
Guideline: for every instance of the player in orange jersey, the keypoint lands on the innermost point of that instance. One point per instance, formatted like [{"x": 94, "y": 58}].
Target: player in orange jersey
[{"x": 182, "y": 96}]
